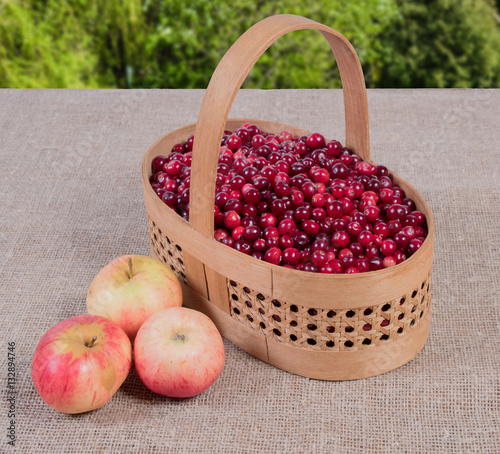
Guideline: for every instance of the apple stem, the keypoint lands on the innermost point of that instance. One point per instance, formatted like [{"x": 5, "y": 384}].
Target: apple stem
[
  {"x": 179, "y": 337},
  {"x": 130, "y": 273},
  {"x": 91, "y": 343}
]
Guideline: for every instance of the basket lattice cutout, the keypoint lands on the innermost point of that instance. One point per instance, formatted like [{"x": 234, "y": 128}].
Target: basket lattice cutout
[
  {"x": 167, "y": 251},
  {"x": 327, "y": 329}
]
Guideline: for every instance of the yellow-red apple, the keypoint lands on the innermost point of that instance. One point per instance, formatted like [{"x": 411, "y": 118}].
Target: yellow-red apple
[
  {"x": 80, "y": 363},
  {"x": 130, "y": 289},
  {"x": 178, "y": 352}
]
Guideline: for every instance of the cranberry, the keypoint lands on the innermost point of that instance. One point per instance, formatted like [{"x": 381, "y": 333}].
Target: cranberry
[
  {"x": 248, "y": 173},
  {"x": 171, "y": 185},
  {"x": 271, "y": 232},
  {"x": 363, "y": 265},
  {"x": 385, "y": 182},
  {"x": 251, "y": 233},
  {"x": 334, "y": 149},
  {"x": 291, "y": 256},
  {"x": 381, "y": 229},
  {"x": 354, "y": 228},
  {"x": 396, "y": 212},
  {"x": 400, "y": 256},
  {"x": 287, "y": 227},
  {"x": 394, "y": 227},
  {"x": 168, "y": 198},
  {"x": 376, "y": 263},
  {"x": 389, "y": 261},
  {"x": 257, "y": 141},
  {"x": 365, "y": 168},
  {"x": 420, "y": 218},
  {"x": 409, "y": 203},
  {"x": 420, "y": 232},
  {"x": 365, "y": 238},
  {"x": 326, "y": 226},
  {"x": 414, "y": 246},
  {"x": 234, "y": 142},
  {"x": 315, "y": 141},
  {"x": 302, "y": 212},
  {"x": 221, "y": 199},
  {"x": 339, "y": 224},
  {"x": 333, "y": 266},
  {"x": 388, "y": 247},
  {"x": 319, "y": 258},
  {"x": 360, "y": 218},
  {"x": 409, "y": 231},
  {"x": 260, "y": 183},
  {"x": 281, "y": 188},
  {"x": 158, "y": 163},
  {"x": 249, "y": 210},
  {"x": 259, "y": 245},
  {"x": 273, "y": 255},
  {"x": 335, "y": 209},
  {"x": 382, "y": 171},
  {"x": 273, "y": 241},
  {"x": 340, "y": 239},
  {"x": 386, "y": 195},
  {"x": 356, "y": 249},
  {"x": 228, "y": 241},
  {"x": 339, "y": 170},
  {"x": 251, "y": 195},
  {"x": 371, "y": 251},
  {"x": 243, "y": 246},
  {"x": 231, "y": 219},
  {"x": 401, "y": 240},
  {"x": 301, "y": 240},
  {"x": 286, "y": 241},
  {"x": 310, "y": 267},
  {"x": 233, "y": 205},
  {"x": 237, "y": 232},
  {"x": 398, "y": 192},
  {"x": 172, "y": 168}
]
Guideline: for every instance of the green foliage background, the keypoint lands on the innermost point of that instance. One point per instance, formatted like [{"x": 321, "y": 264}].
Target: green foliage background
[{"x": 177, "y": 44}]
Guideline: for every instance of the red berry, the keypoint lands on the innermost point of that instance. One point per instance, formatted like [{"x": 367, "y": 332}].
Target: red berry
[
  {"x": 365, "y": 238},
  {"x": 340, "y": 239},
  {"x": 231, "y": 219},
  {"x": 315, "y": 141},
  {"x": 273, "y": 255},
  {"x": 287, "y": 227},
  {"x": 388, "y": 247}
]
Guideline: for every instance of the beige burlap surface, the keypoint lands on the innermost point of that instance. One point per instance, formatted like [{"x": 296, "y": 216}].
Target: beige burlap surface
[{"x": 71, "y": 200}]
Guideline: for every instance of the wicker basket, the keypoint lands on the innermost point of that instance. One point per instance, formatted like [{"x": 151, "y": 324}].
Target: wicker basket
[{"x": 330, "y": 327}]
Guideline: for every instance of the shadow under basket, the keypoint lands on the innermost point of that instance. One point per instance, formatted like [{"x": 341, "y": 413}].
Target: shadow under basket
[{"x": 322, "y": 326}]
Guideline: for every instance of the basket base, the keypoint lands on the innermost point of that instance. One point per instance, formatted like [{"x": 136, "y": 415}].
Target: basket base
[{"x": 314, "y": 364}]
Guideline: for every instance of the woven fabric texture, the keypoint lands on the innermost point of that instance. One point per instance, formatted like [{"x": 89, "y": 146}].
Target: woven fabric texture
[{"x": 71, "y": 201}]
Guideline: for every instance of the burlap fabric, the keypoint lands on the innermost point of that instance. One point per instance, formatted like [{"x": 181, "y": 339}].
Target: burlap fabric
[{"x": 71, "y": 201}]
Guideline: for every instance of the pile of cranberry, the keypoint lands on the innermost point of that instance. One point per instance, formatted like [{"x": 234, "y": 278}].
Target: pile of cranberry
[{"x": 299, "y": 202}]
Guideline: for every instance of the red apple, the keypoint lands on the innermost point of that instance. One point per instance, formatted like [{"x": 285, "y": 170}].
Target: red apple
[
  {"x": 80, "y": 363},
  {"x": 178, "y": 352},
  {"x": 130, "y": 289}
]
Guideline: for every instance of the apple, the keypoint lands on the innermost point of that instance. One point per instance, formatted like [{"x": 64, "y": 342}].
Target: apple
[
  {"x": 178, "y": 352},
  {"x": 80, "y": 363},
  {"x": 130, "y": 289}
]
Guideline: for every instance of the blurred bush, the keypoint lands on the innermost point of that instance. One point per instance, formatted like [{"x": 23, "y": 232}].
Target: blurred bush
[{"x": 174, "y": 44}]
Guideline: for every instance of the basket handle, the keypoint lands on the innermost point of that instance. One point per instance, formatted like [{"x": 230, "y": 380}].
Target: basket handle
[{"x": 224, "y": 85}]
